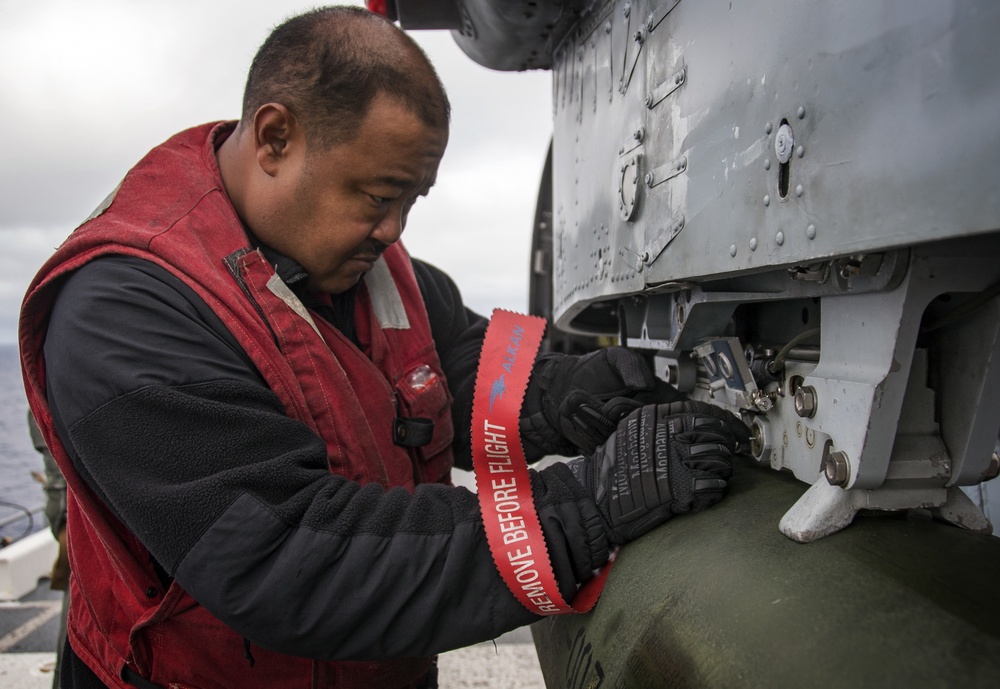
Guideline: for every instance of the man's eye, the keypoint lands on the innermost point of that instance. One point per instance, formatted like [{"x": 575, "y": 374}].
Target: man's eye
[{"x": 380, "y": 200}]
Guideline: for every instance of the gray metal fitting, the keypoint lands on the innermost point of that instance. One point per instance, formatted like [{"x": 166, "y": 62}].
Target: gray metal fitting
[
  {"x": 761, "y": 400},
  {"x": 760, "y": 439},
  {"x": 805, "y": 401},
  {"x": 993, "y": 470},
  {"x": 784, "y": 143},
  {"x": 837, "y": 469}
]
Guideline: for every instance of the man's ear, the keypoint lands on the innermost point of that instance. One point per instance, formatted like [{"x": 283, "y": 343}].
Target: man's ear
[{"x": 277, "y": 136}]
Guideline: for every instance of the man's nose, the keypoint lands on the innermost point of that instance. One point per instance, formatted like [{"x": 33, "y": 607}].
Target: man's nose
[{"x": 390, "y": 228}]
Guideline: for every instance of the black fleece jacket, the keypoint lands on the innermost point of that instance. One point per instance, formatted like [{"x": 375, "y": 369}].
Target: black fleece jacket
[{"x": 168, "y": 421}]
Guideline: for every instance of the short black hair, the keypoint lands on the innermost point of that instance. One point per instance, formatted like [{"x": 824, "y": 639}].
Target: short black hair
[{"x": 328, "y": 65}]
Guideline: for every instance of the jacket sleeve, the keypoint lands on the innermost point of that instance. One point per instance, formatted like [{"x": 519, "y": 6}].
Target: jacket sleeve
[{"x": 169, "y": 423}]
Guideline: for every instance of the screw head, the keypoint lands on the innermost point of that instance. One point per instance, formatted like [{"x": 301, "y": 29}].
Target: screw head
[
  {"x": 779, "y": 238},
  {"x": 753, "y": 244},
  {"x": 811, "y": 232},
  {"x": 801, "y": 112},
  {"x": 732, "y": 250}
]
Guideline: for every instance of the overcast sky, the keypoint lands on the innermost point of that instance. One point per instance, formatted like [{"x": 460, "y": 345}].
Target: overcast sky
[{"x": 88, "y": 87}]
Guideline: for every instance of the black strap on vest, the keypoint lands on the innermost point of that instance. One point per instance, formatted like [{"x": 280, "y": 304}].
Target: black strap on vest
[{"x": 412, "y": 432}]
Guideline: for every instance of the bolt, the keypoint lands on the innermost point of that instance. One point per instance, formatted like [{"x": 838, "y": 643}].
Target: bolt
[
  {"x": 607, "y": 27},
  {"x": 767, "y": 163},
  {"x": 798, "y": 190},
  {"x": 837, "y": 469},
  {"x": 805, "y": 401},
  {"x": 639, "y": 35},
  {"x": 639, "y": 134},
  {"x": 626, "y": 10},
  {"x": 649, "y": 23},
  {"x": 767, "y": 199},
  {"x": 732, "y": 250},
  {"x": 801, "y": 112},
  {"x": 800, "y": 151},
  {"x": 784, "y": 142},
  {"x": 768, "y": 128},
  {"x": 649, "y": 179},
  {"x": 811, "y": 232},
  {"x": 753, "y": 244},
  {"x": 779, "y": 238},
  {"x": 649, "y": 101}
]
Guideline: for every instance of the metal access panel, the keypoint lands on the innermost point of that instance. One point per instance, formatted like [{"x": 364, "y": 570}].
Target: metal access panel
[{"x": 699, "y": 140}]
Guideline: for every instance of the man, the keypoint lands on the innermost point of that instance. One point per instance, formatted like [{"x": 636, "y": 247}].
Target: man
[{"x": 257, "y": 397}]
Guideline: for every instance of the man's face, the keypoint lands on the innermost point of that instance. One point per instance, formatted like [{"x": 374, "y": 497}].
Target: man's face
[{"x": 338, "y": 209}]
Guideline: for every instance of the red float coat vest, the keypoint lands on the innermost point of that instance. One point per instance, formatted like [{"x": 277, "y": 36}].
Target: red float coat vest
[{"x": 172, "y": 210}]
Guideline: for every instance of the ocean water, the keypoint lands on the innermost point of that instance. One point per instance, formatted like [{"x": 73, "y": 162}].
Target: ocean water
[{"x": 17, "y": 456}]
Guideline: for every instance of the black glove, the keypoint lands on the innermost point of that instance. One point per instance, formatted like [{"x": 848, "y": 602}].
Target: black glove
[
  {"x": 663, "y": 460},
  {"x": 574, "y": 403}
]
